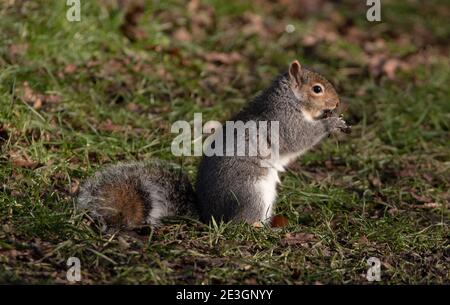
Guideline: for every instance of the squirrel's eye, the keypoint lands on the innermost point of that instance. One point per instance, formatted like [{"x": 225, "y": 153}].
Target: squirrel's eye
[{"x": 317, "y": 89}]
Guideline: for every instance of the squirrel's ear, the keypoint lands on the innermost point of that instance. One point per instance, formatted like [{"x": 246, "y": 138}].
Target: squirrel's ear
[{"x": 295, "y": 72}]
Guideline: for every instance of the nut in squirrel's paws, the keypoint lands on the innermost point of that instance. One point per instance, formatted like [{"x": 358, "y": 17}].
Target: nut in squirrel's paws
[
  {"x": 337, "y": 124},
  {"x": 346, "y": 128}
]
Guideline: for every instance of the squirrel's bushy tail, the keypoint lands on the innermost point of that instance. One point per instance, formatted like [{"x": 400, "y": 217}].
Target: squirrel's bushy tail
[{"x": 140, "y": 193}]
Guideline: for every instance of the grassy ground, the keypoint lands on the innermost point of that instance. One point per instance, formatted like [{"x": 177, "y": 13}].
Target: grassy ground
[{"x": 77, "y": 95}]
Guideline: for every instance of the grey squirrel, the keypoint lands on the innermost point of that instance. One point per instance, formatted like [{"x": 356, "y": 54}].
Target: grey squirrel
[{"x": 228, "y": 188}]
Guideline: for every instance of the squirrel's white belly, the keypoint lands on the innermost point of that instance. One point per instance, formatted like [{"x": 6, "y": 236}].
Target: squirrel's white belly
[{"x": 266, "y": 187}]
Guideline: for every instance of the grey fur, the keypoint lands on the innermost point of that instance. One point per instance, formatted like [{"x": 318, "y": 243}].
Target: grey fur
[
  {"x": 160, "y": 185},
  {"x": 226, "y": 184}
]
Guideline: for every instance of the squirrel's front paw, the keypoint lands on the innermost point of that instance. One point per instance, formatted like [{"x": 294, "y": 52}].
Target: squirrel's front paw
[{"x": 334, "y": 124}]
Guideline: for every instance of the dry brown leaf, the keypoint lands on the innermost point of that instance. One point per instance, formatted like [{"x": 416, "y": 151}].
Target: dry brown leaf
[
  {"x": 254, "y": 25},
  {"x": 201, "y": 17},
  {"x": 393, "y": 211},
  {"x": 108, "y": 125},
  {"x": 407, "y": 172},
  {"x": 223, "y": 58},
  {"x": 298, "y": 239},
  {"x": 112, "y": 68},
  {"x": 323, "y": 31},
  {"x": 302, "y": 8},
  {"x": 375, "y": 181},
  {"x": 421, "y": 198},
  {"x": 257, "y": 224},
  {"x": 354, "y": 34},
  {"x": 390, "y": 67},
  {"x": 363, "y": 240},
  {"x": 279, "y": 221},
  {"x": 129, "y": 27},
  {"x": 182, "y": 35},
  {"x": 22, "y": 161},
  {"x": 381, "y": 64},
  {"x": 37, "y": 104},
  {"x": 251, "y": 281},
  {"x": 374, "y": 47},
  {"x": 133, "y": 107},
  {"x": 70, "y": 69},
  {"x": 17, "y": 50},
  {"x": 37, "y": 99},
  {"x": 75, "y": 186},
  {"x": 429, "y": 205},
  {"x": 246, "y": 267},
  {"x": 329, "y": 164},
  {"x": 123, "y": 244},
  {"x": 432, "y": 205}
]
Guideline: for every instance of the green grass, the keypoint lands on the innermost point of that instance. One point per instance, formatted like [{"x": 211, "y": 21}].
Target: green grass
[{"x": 382, "y": 191}]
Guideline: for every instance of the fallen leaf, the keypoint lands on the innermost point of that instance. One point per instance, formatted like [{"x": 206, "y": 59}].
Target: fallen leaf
[
  {"x": 15, "y": 51},
  {"x": 407, "y": 172},
  {"x": 375, "y": 181},
  {"x": 37, "y": 103},
  {"x": 223, "y": 58},
  {"x": 112, "y": 68},
  {"x": 201, "y": 17},
  {"x": 123, "y": 244},
  {"x": 133, "y": 107},
  {"x": 129, "y": 27},
  {"x": 254, "y": 25},
  {"x": 421, "y": 198},
  {"x": 159, "y": 110},
  {"x": 374, "y": 47},
  {"x": 381, "y": 64},
  {"x": 37, "y": 99},
  {"x": 279, "y": 221},
  {"x": 323, "y": 31},
  {"x": 257, "y": 224},
  {"x": 390, "y": 67},
  {"x": 297, "y": 239},
  {"x": 75, "y": 186},
  {"x": 22, "y": 161},
  {"x": 108, "y": 125},
  {"x": 246, "y": 267},
  {"x": 428, "y": 205},
  {"x": 251, "y": 281},
  {"x": 182, "y": 35},
  {"x": 70, "y": 69},
  {"x": 393, "y": 211},
  {"x": 329, "y": 164},
  {"x": 302, "y": 8},
  {"x": 363, "y": 240}
]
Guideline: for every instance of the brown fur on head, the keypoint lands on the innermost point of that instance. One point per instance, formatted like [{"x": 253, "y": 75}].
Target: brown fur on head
[{"x": 317, "y": 96}]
